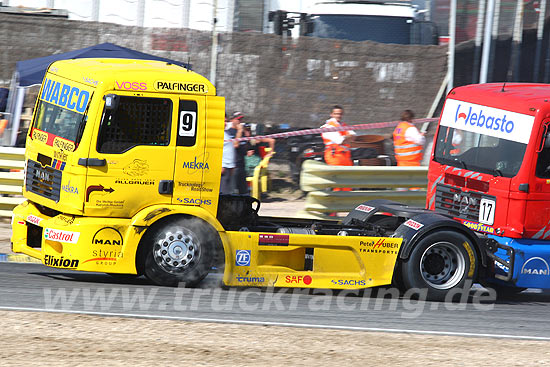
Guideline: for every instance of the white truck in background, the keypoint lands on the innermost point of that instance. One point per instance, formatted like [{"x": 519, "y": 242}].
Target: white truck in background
[{"x": 398, "y": 22}]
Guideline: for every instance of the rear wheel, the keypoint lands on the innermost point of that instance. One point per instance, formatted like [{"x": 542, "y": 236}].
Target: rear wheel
[
  {"x": 440, "y": 262},
  {"x": 179, "y": 250}
]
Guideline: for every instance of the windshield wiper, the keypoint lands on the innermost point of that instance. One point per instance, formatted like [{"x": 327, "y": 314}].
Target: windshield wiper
[
  {"x": 462, "y": 163},
  {"x": 498, "y": 172}
]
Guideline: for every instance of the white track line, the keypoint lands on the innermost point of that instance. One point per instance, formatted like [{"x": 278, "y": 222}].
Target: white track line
[{"x": 274, "y": 323}]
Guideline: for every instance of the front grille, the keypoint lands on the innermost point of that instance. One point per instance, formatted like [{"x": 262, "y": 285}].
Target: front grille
[
  {"x": 43, "y": 181},
  {"x": 457, "y": 203}
]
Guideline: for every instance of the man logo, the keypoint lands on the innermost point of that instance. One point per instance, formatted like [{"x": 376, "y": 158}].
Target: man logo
[
  {"x": 107, "y": 236},
  {"x": 535, "y": 266}
]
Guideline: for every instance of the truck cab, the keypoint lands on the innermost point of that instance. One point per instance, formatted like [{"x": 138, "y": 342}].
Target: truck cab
[
  {"x": 112, "y": 140},
  {"x": 490, "y": 170}
]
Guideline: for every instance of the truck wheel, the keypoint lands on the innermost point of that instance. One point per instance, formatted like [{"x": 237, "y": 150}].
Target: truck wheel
[
  {"x": 440, "y": 262},
  {"x": 180, "y": 250}
]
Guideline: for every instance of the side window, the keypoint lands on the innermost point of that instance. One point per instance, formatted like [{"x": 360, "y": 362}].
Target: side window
[
  {"x": 136, "y": 121},
  {"x": 187, "y": 124},
  {"x": 543, "y": 164}
]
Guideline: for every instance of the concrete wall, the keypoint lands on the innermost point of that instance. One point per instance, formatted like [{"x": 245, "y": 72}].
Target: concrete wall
[{"x": 269, "y": 78}]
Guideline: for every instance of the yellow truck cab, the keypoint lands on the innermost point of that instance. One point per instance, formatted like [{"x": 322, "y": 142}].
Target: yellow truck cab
[
  {"x": 123, "y": 167},
  {"x": 115, "y": 144}
]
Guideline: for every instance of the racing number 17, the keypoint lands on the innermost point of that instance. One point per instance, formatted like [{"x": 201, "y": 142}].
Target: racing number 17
[{"x": 487, "y": 211}]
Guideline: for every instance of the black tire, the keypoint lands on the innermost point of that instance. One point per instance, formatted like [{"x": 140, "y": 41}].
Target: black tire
[
  {"x": 440, "y": 262},
  {"x": 178, "y": 250}
]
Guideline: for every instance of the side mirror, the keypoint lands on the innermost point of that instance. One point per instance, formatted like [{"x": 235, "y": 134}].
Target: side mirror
[{"x": 111, "y": 102}]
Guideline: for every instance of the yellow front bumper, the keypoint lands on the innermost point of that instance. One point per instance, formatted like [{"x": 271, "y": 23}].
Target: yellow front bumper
[{"x": 73, "y": 242}]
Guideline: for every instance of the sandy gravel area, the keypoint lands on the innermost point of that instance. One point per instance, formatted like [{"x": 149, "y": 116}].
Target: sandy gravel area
[{"x": 59, "y": 339}]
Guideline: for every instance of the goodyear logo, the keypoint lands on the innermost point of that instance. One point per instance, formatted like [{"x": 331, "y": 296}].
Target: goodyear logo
[
  {"x": 173, "y": 86},
  {"x": 65, "y": 95},
  {"x": 479, "y": 227}
]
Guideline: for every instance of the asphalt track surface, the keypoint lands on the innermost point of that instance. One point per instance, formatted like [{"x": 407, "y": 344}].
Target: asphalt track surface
[{"x": 39, "y": 288}]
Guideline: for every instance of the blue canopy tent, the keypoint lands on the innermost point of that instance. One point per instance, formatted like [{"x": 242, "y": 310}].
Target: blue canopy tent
[{"x": 31, "y": 72}]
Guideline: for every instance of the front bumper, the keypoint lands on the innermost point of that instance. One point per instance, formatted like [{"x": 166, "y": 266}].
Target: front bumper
[
  {"x": 520, "y": 262},
  {"x": 76, "y": 243}
]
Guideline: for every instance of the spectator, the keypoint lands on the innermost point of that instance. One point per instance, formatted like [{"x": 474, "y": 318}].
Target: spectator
[
  {"x": 251, "y": 160},
  {"x": 228, "y": 159},
  {"x": 408, "y": 141},
  {"x": 240, "y": 152},
  {"x": 260, "y": 144}
]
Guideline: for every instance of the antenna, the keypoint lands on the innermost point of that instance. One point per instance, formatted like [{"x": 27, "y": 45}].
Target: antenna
[
  {"x": 503, "y": 85},
  {"x": 188, "y": 63}
]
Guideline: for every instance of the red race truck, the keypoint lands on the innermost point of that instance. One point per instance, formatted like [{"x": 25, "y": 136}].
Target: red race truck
[{"x": 490, "y": 170}]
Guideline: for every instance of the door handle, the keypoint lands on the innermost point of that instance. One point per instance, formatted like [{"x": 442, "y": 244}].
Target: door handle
[
  {"x": 166, "y": 187},
  {"x": 92, "y": 162}
]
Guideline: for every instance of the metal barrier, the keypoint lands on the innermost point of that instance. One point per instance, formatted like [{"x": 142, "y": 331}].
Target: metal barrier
[
  {"x": 12, "y": 163},
  {"x": 403, "y": 184}
]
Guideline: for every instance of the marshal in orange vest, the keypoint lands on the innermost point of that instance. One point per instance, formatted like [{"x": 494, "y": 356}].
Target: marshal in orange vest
[{"x": 407, "y": 153}]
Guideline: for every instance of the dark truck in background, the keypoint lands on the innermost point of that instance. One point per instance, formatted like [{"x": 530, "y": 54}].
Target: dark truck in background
[{"x": 398, "y": 22}]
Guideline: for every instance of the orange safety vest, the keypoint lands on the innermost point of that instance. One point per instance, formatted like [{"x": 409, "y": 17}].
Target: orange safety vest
[
  {"x": 407, "y": 153},
  {"x": 337, "y": 154}
]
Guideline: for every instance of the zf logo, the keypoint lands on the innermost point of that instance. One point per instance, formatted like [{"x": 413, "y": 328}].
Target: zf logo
[{"x": 242, "y": 258}]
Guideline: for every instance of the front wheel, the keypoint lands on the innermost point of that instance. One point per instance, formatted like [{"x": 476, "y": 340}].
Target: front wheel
[
  {"x": 179, "y": 250},
  {"x": 440, "y": 262}
]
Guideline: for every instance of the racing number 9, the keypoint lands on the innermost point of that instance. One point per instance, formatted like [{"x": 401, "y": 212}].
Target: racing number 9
[{"x": 187, "y": 123}]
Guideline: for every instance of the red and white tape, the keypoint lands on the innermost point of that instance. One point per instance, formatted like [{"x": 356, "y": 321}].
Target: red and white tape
[{"x": 373, "y": 125}]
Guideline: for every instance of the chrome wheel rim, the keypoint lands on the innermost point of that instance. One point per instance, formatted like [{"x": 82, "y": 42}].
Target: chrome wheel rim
[
  {"x": 442, "y": 265},
  {"x": 177, "y": 251}
]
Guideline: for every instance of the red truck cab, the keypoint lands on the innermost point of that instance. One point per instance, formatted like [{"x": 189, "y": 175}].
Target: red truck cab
[{"x": 490, "y": 170}]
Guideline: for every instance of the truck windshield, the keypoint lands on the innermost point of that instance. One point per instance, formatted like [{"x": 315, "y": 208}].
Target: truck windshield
[
  {"x": 58, "y": 121},
  {"x": 363, "y": 27},
  {"x": 478, "y": 152}
]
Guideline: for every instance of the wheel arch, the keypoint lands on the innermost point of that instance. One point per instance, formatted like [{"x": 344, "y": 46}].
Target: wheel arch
[
  {"x": 428, "y": 223},
  {"x": 158, "y": 215}
]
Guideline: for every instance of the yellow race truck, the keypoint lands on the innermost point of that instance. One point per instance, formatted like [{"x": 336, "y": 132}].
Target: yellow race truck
[{"x": 123, "y": 165}]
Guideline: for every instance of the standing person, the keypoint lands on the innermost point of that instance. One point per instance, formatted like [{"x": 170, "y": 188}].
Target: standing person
[
  {"x": 241, "y": 149},
  {"x": 408, "y": 142},
  {"x": 337, "y": 148},
  {"x": 228, "y": 158}
]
